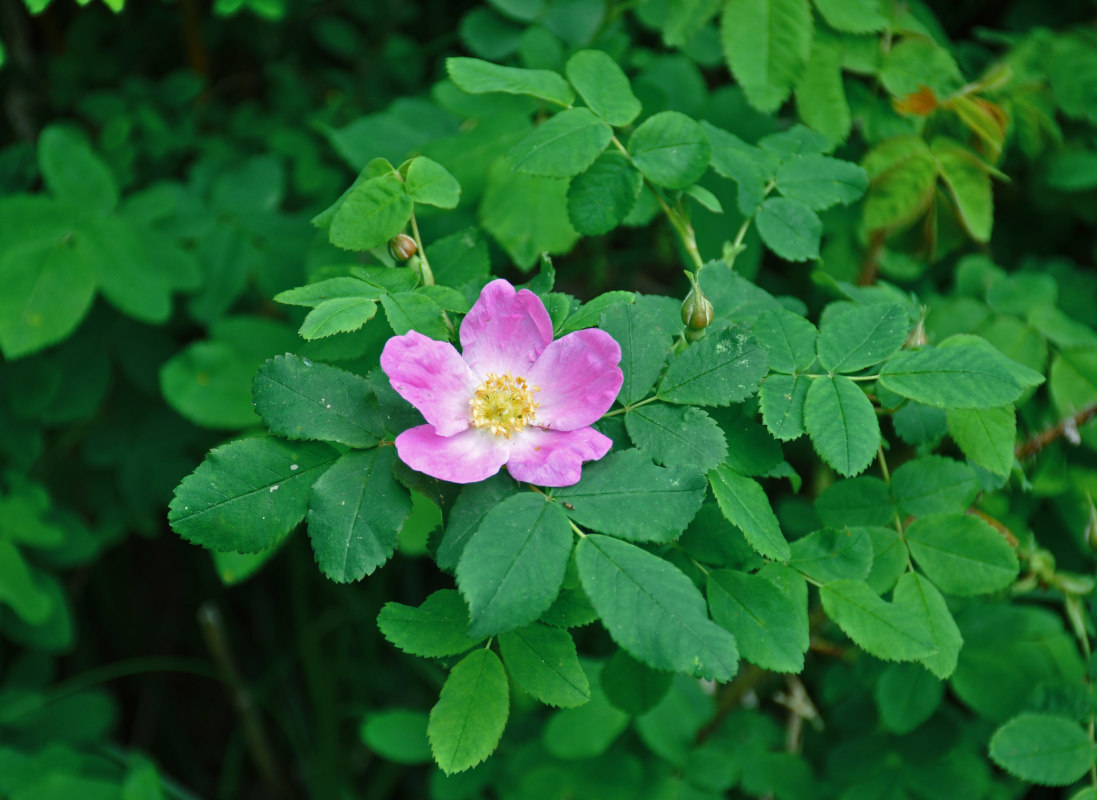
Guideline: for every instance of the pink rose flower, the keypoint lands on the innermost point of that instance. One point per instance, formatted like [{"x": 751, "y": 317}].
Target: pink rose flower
[{"x": 513, "y": 396}]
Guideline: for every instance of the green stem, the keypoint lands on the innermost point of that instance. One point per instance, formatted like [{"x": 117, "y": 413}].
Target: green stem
[
  {"x": 575, "y": 528},
  {"x": 123, "y": 669},
  {"x": 425, "y": 271},
  {"x": 255, "y": 734},
  {"x": 855, "y": 378},
  {"x": 677, "y": 221},
  {"x": 628, "y": 408},
  {"x": 886, "y": 473}
]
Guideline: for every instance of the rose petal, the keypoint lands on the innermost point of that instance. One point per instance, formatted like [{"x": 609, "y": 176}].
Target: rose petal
[
  {"x": 465, "y": 457},
  {"x": 554, "y": 458},
  {"x": 505, "y": 331},
  {"x": 433, "y": 377},
  {"x": 579, "y": 379}
]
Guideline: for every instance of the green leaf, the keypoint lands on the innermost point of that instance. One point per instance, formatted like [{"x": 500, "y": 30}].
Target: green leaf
[
  {"x": 672, "y": 728},
  {"x": 890, "y": 560},
  {"x": 962, "y": 554},
  {"x": 45, "y": 291},
  {"x": 1073, "y": 379},
  {"x": 20, "y": 586},
  {"x": 862, "y": 336},
  {"x": 207, "y": 383},
  {"x": 314, "y": 294},
  {"x": 626, "y": 495},
  {"x": 563, "y": 146},
  {"x": 919, "y": 424},
  {"x": 917, "y": 61},
  {"x": 652, "y": 610},
  {"x": 769, "y": 622},
  {"x": 644, "y": 348},
  {"x": 671, "y": 150},
  {"x": 512, "y": 567},
  {"x": 435, "y": 629},
  {"x": 1043, "y": 748},
  {"x": 889, "y": 631},
  {"x": 468, "y": 512},
  {"x": 852, "y": 16},
  {"x": 602, "y": 196},
  {"x": 767, "y": 44},
  {"x": 587, "y": 731},
  {"x": 842, "y": 424},
  {"x": 603, "y": 86},
  {"x": 821, "y": 92},
  {"x": 820, "y": 182},
  {"x": 476, "y": 77},
  {"x": 788, "y": 338},
  {"x": 299, "y": 399},
  {"x": 952, "y": 377},
  {"x": 460, "y": 258},
  {"x": 789, "y": 228},
  {"x": 906, "y": 696},
  {"x": 861, "y": 501},
  {"x": 968, "y": 181},
  {"x": 705, "y": 198},
  {"x": 468, "y": 720},
  {"x": 750, "y": 167},
  {"x": 1010, "y": 649},
  {"x": 372, "y": 213},
  {"x": 782, "y": 401},
  {"x": 528, "y": 214},
  {"x": 987, "y": 436},
  {"x": 831, "y": 554},
  {"x": 915, "y": 592},
  {"x": 686, "y": 18},
  {"x": 524, "y": 10},
  {"x": 73, "y": 173},
  {"x": 248, "y": 495},
  {"x": 677, "y": 436},
  {"x": 723, "y": 368},
  {"x": 633, "y": 686},
  {"x": 415, "y": 311},
  {"x": 589, "y": 314},
  {"x": 744, "y": 503},
  {"x": 751, "y": 449},
  {"x": 355, "y": 511},
  {"x": 933, "y": 485},
  {"x": 339, "y": 315},
  {"x": 134, "y": 283},
  {"x": 397, "y": 735},
  {"x": 430, "y": 183},
  {"x": 544, "y": 662},
  {"x": 1061, "y": 329},
  {"x": 902, "y": 176}
]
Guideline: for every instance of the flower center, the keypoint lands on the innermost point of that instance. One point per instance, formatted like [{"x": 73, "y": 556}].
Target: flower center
[{"x": 504, "y": 404}]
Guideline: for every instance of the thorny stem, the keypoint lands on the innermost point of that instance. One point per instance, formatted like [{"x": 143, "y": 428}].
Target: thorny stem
[{"x": 1066, "y": 427}]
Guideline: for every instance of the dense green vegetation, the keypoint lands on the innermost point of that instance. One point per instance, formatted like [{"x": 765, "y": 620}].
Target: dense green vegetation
[{"x": 841, "y": 546}]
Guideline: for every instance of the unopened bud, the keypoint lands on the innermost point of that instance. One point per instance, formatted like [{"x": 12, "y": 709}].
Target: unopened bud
[
  {"x": 402, "y": 247},
  {"x": 697, "y": 311}
]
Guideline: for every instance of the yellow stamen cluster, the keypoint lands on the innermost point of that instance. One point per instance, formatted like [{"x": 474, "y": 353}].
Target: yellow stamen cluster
[{"x": 504, "y": 404}]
